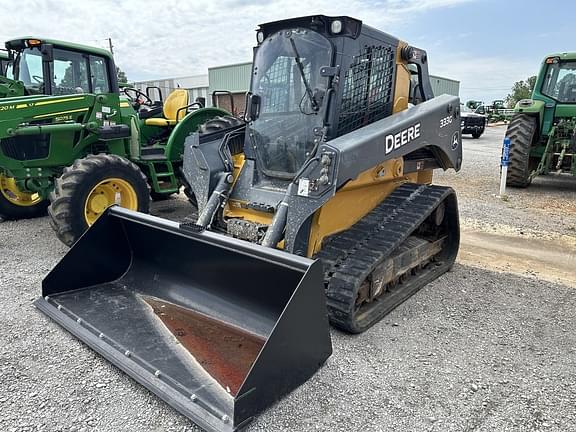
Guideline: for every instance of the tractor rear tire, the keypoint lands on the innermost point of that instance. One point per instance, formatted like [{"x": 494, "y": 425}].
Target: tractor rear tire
[
  {"x": 88, "y": 187},
  {"x": 521, "y": 131},
  {"x": 219, "y": 123},
  {"x": 12, "y": 207}
]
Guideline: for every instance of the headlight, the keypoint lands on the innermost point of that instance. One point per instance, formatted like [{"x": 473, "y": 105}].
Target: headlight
[
  {"x": 336, "y": 26},
  {"x": 260, "y": 37}
]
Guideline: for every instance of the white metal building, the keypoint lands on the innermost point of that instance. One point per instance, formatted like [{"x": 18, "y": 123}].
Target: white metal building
[
  {"x": 197, "y": 86},
  {"x": 235, "y": 78}
]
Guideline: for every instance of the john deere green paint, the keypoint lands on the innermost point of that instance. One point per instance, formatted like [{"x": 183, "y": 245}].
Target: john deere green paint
[
  {"x": 8, "y": 86},
  {"x": 543, "y": 129},
  {"x": 4, "y": 61},
  {"x": 78, "y": 143}
]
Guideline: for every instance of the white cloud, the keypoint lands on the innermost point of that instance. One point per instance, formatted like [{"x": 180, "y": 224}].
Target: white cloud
[
  {"x": 483, "y": 78},
  {"x": 178, "y": 38}
]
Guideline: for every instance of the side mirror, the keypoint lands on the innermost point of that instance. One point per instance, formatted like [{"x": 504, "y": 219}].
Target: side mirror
[
  {"x": 252, "y": 107},
  {"x": 47, "y": 51}
]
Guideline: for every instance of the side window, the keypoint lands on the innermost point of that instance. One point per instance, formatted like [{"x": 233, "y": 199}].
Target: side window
[
  {"x": 31, "y": 69},
  {"x": 99, "y": 71},
  {"x": 70, "y": 73},
  {"x": 9, "y": 71}
]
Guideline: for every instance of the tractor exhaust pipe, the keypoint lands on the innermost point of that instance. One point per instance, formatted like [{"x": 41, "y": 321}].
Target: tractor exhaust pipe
[{"x": 182, "y": 313}]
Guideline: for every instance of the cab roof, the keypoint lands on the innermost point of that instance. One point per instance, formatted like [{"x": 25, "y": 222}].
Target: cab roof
[
  {"x": 563, "y": 56},
  {"x": 24, "y": 42}
]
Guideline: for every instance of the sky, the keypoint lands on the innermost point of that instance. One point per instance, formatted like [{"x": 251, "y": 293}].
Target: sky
[{"x": 485, "y": 44}]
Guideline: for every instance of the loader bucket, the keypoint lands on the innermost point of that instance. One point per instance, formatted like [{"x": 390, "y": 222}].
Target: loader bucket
[{"x": 217, "y": 327}]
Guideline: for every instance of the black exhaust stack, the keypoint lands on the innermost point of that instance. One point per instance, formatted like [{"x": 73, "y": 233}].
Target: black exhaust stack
[{"x": 217, "y": 327}]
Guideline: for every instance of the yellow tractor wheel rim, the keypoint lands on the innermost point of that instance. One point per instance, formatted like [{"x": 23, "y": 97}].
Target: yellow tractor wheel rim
[
  {"x": 106, "y": 193},
  {"x": 10, "y": 191}
]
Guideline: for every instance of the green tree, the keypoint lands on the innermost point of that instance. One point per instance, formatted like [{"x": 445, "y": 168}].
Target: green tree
[
  {"x": 521, "y": 90},
  {"x": 122, "y": 78}
]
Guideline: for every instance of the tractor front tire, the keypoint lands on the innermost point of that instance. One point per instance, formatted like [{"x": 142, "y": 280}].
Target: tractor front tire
[
  {"x": 521, "y": 131},
  {"x": 15, "y": 204},
  {"x": 92, "y": 184},
  {"x": 477, "y": 135}
]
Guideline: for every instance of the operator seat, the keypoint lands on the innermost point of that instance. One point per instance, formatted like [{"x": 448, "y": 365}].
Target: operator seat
[
  {"x": 173, "y": 105},
  {"x": 570, "y": 95}
]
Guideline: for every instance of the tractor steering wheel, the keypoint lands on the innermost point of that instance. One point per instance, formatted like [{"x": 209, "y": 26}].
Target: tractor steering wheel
[
  {"x": 38, "y": 79},
  {"x": 135, "y": 97}
]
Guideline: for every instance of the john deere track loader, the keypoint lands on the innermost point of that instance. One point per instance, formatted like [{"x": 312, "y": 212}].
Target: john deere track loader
[
  {"x": 542, "y": 131},
  {"x": 76, "y": 142},
  {"x": 323, "y": 198}
]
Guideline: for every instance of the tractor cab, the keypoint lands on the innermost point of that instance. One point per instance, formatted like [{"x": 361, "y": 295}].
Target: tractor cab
[
  {"x": 49, "y": 67},
  {"x": 4, "y": 62},
  {"x": 558, "y": 82}
]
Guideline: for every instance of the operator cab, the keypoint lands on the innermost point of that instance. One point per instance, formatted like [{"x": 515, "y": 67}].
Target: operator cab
[
  {"x": 560, "y": 80},
  {"x": 4, "y": 62},
  {"x": 48, "y": 67}
]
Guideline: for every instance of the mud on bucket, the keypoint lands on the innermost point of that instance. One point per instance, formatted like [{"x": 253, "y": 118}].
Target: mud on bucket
[{"x": 219, "y": 328}]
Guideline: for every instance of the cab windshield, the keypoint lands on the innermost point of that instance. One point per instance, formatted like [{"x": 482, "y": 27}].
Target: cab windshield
[
  {"x": 70, "y": 72},
  {"x": 560, "y": 81},
  {"x": 287, "y": 79},
  {"x": 29, "y": 70}
]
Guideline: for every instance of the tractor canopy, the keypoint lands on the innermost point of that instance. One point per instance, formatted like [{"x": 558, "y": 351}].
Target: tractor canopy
[{"x": 52, "y": 67}]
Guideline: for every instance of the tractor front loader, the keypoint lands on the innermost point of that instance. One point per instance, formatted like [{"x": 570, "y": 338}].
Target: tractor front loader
[
  {"x": 75, "y": 142},
  {"x": 542, "y": 131},
  {"x": 320, "y": 208}
]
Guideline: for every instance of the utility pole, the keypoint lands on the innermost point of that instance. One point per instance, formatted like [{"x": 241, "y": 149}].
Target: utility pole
[{"x": 111, "y": 46}]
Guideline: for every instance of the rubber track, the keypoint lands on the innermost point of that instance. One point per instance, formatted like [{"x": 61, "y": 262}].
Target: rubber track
[
  {"x": 521, "y": 133},
  {"x": 350, "y": 257}
]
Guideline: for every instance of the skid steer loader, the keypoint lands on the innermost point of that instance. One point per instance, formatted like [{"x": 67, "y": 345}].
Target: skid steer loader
[
  {"x": 319, "y": 208},
  {"x": 75, "y": 142}
]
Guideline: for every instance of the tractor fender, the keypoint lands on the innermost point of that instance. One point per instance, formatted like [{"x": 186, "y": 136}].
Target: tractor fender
[
  {"x": 186, "y": 126},
  {"x": 530, "y": 106}
]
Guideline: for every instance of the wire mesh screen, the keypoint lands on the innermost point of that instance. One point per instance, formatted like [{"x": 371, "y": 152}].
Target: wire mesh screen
[
  {"x": 282, "y": 86},
  {"x": 368, "y": 92}
]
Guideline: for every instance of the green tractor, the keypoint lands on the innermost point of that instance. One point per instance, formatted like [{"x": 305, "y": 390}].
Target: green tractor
[
  {"x": 8, "y": 86},
  {"x": 473, "y": 104},
  {"x": 4, "y": 62},
  {"x": 542, "y": 131},
  {"x": 76, "y": 144}
]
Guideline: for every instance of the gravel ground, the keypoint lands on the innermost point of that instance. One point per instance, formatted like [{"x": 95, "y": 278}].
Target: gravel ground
[
  {"x": 546, "y": 208},
  {"x": 474, "y": 351}
]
